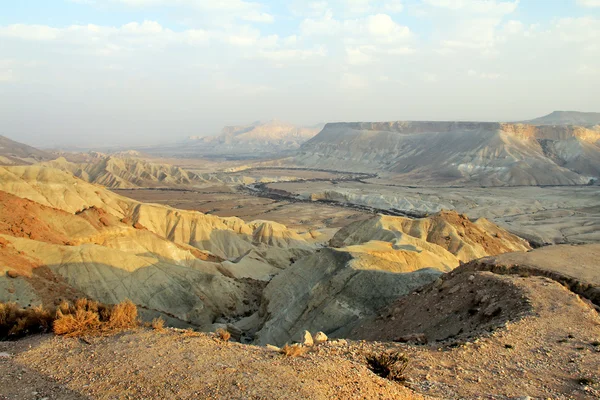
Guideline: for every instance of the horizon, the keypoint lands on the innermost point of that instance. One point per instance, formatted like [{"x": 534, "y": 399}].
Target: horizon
[
  {"x": 84, "y": 73},
  {"x": 140, "y": 147}
]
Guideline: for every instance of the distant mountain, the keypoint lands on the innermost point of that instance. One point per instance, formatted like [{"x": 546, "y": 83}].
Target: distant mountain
[
  {"x": 587, "y": 119},
  {"x": 459, "y": 153},
  {"x": 15, "y": 153},
  {"x": 259, "y": 139}
]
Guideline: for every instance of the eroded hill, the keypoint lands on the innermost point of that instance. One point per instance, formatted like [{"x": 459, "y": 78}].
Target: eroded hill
[{"x": 61, "y": 232}]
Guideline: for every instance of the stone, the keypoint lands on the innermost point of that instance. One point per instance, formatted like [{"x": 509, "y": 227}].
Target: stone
[
  {"x": 307, "y": 339},
  {"x": 274, "y": 348},
  {"x": 320, "y": 337}
]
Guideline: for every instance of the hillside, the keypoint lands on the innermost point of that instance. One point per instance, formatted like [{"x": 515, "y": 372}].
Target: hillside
[
  {"x": 587, "y": 119},
  {"x": 61, "y": 234},
  {"x": 15, "y": 153},
  {"x": 486, "y": 330},
  {"x": 123, "y": 172},
  {"x": 459, "y": 153}
]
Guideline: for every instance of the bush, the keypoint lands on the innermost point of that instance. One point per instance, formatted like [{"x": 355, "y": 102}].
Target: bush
[
  {"x": 223, "y": 334},
  {"x": 390, "y": 365},
  {"x": 158, "y": 324},
  {"x": 83, "y": 317},
  {"x": 17, "y": 322},
  {"x": 90, "y": 317},
  {"x": 294, "y": 350}
]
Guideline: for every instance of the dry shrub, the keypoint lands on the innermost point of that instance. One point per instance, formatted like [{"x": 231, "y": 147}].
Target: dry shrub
[
  {"x": 223, "y": 334},
  {"x": 123, "y": 316},
  {"x": 189, "y": 332},
  {"x": 89, "y": 317},
  {"x": 82, "y": 318},
  {"x": 158, "y": 324},
  {"x": 390, "y": 365},
  {"x": 294, "y": 350},
  {"x": 17, "y": 322},
  {"x": 81, "y": 322}
]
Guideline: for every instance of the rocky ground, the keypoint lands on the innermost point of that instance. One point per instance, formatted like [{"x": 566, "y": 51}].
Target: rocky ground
[
  {"x": 473, "y": 334},
  {"x": 147, "y": 364}
]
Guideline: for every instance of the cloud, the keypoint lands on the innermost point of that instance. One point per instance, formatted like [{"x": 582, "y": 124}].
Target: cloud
[
  {"x": 485, "y": 7},
  {"x": 589, "y": 3},
  {"x": 483, "y": 75},
  {"x": 29, "y": 32},
  {"x": 236, "y": 9}
]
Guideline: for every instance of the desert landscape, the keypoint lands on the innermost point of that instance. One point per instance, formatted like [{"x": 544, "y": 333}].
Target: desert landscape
[
  {"x": 485, "y": 290},
  {"x": 333, "y": 199}
]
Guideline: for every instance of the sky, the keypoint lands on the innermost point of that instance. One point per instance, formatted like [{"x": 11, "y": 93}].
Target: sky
[{"x": 137, "y": 72}]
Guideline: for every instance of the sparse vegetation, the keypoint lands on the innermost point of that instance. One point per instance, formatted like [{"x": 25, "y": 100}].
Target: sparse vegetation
[
  {"x": 17, "y": 322},
  {"x": 295, "y": 350},
  {"x": 158, "y": 324},
  {"x": 82, "y": 318},
  {"x": 223, "y": 334},
  {"x": 389, "y": 365}
]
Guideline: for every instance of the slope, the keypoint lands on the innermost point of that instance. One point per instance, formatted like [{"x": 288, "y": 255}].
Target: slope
[
  {"x": 15, "y": 153},
  {"x": 588, "y": 119}
]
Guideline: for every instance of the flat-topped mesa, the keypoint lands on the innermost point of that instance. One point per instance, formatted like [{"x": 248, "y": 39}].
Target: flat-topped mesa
[
  {"x": 462, "y": 152},
  {"x": 413, "y": 127}
]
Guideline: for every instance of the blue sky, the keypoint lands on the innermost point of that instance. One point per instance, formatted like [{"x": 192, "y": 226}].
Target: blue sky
[{"x": 122, "y": 72}]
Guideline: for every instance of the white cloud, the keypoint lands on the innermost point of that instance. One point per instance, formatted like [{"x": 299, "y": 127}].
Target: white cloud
[
  {"x": 589, "y": 3},
  {"x": 483, "y": 75},
  {"x": 487, "y": 7},
  {"x": 29, "y": 32},
  {"x": 353, "y": 81},
  {"x": 357, "y": 56}
]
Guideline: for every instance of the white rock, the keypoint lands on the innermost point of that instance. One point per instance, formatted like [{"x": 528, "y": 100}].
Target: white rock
[
  {"x": 320, "y": 337},
  {"x": 307, "y": 339},
  {"x": 274, "y": 348}
]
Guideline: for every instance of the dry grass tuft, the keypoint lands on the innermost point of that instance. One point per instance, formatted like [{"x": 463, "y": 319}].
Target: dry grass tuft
[
  {"x": 294, "y": 350},
  {"x": 191, "y": 333},
  {"x": 158, "y": 324},
  {"x": 82, "y": 318},
  {"x": 223, "y": 334},
  {"x": 390, "y": 365}
]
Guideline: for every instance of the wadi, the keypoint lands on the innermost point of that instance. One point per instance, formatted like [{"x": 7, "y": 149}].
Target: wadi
[{"x": 481, "y": 279}]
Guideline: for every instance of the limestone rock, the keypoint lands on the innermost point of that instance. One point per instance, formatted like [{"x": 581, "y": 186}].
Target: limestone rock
[
  {"x": 320, "y": 337},
  {"x": 307, "y": 339}
]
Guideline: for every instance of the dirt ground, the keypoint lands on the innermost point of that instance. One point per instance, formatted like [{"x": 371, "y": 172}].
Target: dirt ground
[{"x": 147, "y": 364}]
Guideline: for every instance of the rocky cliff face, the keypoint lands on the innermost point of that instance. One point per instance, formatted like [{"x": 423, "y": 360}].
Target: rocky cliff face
[{"x": 479, "y": 153}]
